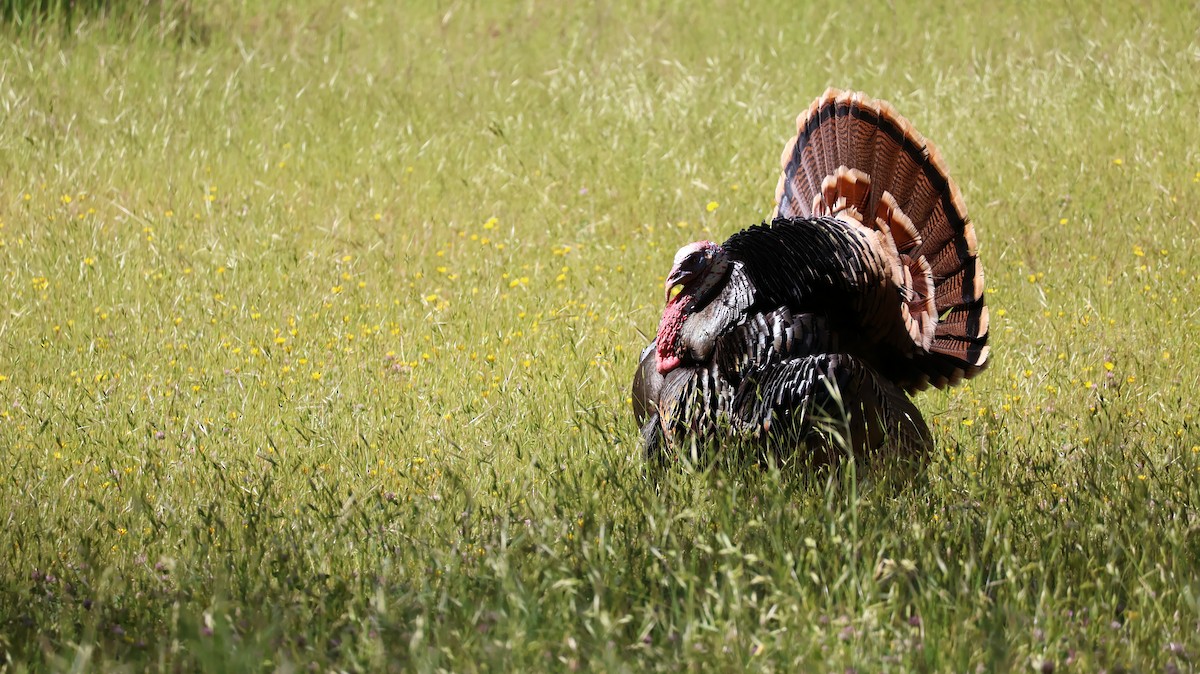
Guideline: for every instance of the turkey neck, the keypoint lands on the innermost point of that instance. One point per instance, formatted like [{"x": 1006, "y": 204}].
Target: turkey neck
[{"x": 701, "y": 329}]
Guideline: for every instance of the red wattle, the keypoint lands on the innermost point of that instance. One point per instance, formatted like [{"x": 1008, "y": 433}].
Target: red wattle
[
  {"x": 667, "y": 363},
  {"x": 668, "y": 335}
]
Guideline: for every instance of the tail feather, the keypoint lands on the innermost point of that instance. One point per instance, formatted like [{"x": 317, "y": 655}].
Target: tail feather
[
  {"x": 853, "y": 152},
  {"x": 805, "y": 179},
  {"x": 904, "y": 232},
  {"x": 827, "y": 139},
  {"x": 843, "y": 189},
  {"x": 966, "y": 322},
  {"x": 866, "y": 128},
  {"x": 889, "y": 147},
  {"x": 845, "y": 132},
  {"x": 959, "y": 289},
  {"x": 964, "y": 350},
  {"x": 928, "y": 189},
  {"x": 950, "y": 258}
]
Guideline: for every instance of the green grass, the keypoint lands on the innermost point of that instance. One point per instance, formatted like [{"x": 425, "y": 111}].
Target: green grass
[{"x": 316, "y": 338}]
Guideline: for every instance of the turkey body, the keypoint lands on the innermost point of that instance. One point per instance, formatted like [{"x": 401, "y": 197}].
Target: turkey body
[{"x": 807, "y": 333}]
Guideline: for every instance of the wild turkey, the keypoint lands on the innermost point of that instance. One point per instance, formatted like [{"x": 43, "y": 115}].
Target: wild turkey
[{"x": 863, "y": 287}]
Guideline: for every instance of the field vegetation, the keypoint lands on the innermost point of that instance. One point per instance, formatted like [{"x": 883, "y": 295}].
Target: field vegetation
[{"x": 317, "y": 322}]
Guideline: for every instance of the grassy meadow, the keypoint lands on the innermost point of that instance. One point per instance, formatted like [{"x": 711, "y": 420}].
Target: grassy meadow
[{"x": 317, "y": 325}]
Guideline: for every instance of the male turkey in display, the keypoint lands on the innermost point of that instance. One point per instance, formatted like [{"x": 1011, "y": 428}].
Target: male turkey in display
[{"x": 809, "y": 331}]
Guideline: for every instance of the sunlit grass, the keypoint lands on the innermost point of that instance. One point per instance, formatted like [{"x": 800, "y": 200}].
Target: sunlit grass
[{"x": 316, "y": 339}]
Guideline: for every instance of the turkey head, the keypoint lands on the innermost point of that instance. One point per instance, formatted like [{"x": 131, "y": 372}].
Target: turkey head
[
  {"x": 686, "y": 333},
  {"x": 707, "y": 293}
]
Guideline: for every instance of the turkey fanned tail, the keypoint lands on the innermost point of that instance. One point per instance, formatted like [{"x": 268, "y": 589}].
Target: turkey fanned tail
[{"x": 857, "y": 158}]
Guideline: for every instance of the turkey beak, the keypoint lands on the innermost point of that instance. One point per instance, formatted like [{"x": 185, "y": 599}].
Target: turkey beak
[{"x": 676, "y": 281}]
